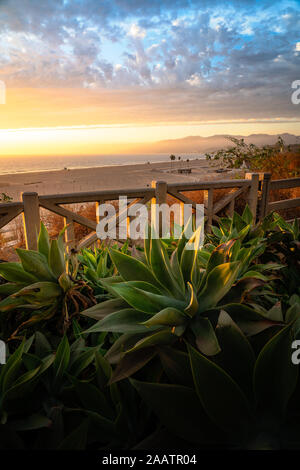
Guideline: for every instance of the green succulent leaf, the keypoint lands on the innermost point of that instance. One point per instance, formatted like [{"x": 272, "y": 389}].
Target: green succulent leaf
[
  {"x": 61, "y": 361},
  {"x": 205, "y": 336},
  {"x": 57, "y": 259},
  {"x": 221, "y": 397},
  {"x": 131, "y": 363},
  {"x": 43, "y": 241},
  {"x": 127, "y": 320},
  {"x": 236, "y": 356},
  {"x": 167, "y": 317},
  {"x": 145, "y": 298},
  {"x": 178, "y": 408},
  {"x": 218, "y": 283},
  {"x": 275, "y": 376},
  {"x": 131, "y": 268},
  {"x": 36, "y": 264},
  {"x": 176, "y": 365},
  {"x": 14, "y": 272},
  {"x": 164, "y": 337},
  {"x": 100, "y": 311}
]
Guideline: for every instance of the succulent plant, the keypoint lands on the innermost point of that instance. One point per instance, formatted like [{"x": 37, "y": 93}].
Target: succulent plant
[{"x": 41, "y": 287}]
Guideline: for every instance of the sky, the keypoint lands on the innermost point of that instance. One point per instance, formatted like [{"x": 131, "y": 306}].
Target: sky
[{"x": 95, "y": 76}]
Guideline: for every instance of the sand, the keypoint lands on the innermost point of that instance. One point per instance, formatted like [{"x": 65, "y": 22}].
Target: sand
[{"x": 106, "y": 177}]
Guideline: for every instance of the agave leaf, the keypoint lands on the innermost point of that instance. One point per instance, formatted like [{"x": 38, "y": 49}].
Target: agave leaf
[
  {"x": 122, "y": 345},
  {"x": 218, "y": 283},
  {"x": 267, "y": 267},
  {"x": 161, "y": 267},
  {"x": 100, "y": 311},
  {"x": 249, "y": 320},
  {"x": 132, "y": 269},
  {"x": 184, "y": 238},
  {"x": 216, "y": 231},
  {"x": 205, "y": 336},
  {"x": 10, "y": 370},
  {"x": 43, "y": 241},
  {"x": 254, "y": 274},
  {"x": 40, "y": 292},
  {"x": 175, "y": 267},
  {"x": 82, "y": 362},
  {"x": 61, "y": 361},
  {"x": 203, "y": 257},
  {"x": 178, "y": 408},
  {"x": 35, "y": 263},
  {"x": 247, "y": 215},
  {"x": 124, "y": 321},
  {"x": 11, "y": 303},
  {"x": 193, "y": 305},
  {"x": 42, "y": 345},
  {"x": 219, "y": 255},
  {"x": 93, "y": 399},
  {"x": 103, "y": 370},
  {"x": 236, "y": 356},
  {"x": 109, "y": 282},
  {"x": 275, "y": 376},
  {"x": 131, "y": 363},
  {"x": 188, "y": 260},
  {"x": 10, "y": 288},
  {"x": 56, "y": 259},
  {"x": 14, "y": 272},
  {"x": 221, "y": 397},
  {"x": 23, "y": 386},
  {"x": 145, "y": 300},
  {"x": 275, "y": 313},
  {"x": 168, "y": 317},
  {"x": 163, "y": 337},
  {"x": 237, "y": 223},
  {"x": 293, "y": 313},
  {"x": 176, "y": 365}
]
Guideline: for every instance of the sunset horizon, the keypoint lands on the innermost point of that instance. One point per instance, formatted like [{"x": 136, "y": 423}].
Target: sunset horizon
[{"x": 82, "y": 77}]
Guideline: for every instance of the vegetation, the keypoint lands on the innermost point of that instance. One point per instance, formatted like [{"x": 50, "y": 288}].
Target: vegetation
[
  {"x": 174, "y": 345},
  {"x": 277, "y": 159},
  {"x": 5, "y": 198}
]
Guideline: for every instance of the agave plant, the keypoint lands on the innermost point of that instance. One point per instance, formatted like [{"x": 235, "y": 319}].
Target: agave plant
[
  {"x": 96, "y": 264},
  {"x": 283, "y": 245},
  {"x": 41, "y": 287},
  {"x": 66, "y": 402},
  {"x": 167, "y": 300},
  {"x": 213, "y": 370}
]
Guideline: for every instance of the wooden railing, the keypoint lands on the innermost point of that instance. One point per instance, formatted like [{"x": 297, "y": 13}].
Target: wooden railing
[{"x": 255, "y": 187}]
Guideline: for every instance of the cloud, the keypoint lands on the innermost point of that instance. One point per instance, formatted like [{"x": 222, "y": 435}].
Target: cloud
[{"x": 221, "y": 53}]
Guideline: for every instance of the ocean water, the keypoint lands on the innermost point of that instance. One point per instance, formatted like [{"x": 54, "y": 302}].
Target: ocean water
[{"x": 25, "y": 164}]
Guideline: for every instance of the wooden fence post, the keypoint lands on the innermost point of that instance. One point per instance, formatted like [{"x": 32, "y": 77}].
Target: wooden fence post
[
  {"x": 31, "y": 219},
  {"x": 208, "y": 201},
  {"x": 265, "y": 193},
  {"x": 159, "y": 198},
  {"x": 253, "y": 192}
]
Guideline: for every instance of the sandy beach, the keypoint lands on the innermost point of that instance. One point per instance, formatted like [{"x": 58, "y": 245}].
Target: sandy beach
[{"x": 106, "y": 177}]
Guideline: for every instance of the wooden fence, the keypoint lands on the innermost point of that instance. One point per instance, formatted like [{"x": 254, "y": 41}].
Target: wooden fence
[{"x": 255, "y": 187}]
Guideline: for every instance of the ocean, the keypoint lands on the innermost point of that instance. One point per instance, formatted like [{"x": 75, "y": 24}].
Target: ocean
[{"x": 25, "y": 164}]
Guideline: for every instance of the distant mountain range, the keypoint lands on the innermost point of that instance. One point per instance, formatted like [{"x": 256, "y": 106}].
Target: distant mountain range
[{"x": 198, "y": 144}]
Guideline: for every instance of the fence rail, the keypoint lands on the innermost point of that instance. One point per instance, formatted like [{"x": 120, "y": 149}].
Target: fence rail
[{"x": 255, "y": 187}]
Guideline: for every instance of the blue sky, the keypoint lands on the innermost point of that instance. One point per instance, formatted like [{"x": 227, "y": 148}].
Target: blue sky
[{"x": 213, "y": 59}]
